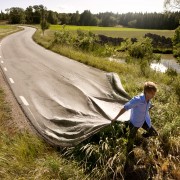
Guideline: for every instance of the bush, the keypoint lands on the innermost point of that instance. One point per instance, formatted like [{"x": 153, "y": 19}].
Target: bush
[
  {"x": 103, "y": 156},
  {"x": 62, "y": 37},
  {"x": 176, "y": 43},
  {"x": 85, "y": 41},
  {"x": 141, "y": 49}
]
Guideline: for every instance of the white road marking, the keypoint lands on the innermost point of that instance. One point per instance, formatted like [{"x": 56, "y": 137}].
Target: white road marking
[
  {"x": 2, "y": 62},
  {"x": 5, "y": 68},
  {"x": 24, "y": 101},
  {"x": 32, "y": 114},
  {"x": 11, "y": 80}
]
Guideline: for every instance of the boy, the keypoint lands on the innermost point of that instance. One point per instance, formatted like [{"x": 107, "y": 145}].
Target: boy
[{"x": 140, "y": 106}]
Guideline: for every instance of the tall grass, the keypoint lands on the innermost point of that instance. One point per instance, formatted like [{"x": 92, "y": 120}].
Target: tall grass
[
  {"x": 24, "y": 155},
  {"x": 103, "y": 156},
  {"x": 8, "y": 29}
]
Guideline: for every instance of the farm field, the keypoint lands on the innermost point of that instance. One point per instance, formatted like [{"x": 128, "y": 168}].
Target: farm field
[{"x": 115, "y": 31}]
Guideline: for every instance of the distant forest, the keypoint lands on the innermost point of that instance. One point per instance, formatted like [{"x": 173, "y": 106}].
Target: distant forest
[{"x": 34, "y": 15}]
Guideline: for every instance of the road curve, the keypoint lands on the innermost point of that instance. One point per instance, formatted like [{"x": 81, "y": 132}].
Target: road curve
[{"x": 66, "y": 101}]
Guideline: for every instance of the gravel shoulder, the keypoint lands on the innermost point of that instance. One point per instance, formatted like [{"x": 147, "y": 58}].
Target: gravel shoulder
[{"x": 18, "y": 121}]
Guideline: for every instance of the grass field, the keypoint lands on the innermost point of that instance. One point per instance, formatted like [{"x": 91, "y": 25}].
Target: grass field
[
  {"x": 115, "y": 31},
  {"x": 160, "y": 153},
  {"x": 24, "y": 156},
  {"x": 8, "y": 29}
]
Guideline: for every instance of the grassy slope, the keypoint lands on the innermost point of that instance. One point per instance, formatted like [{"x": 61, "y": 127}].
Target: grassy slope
[
  {"x": 8, "y": 29},
  {"x": 25, "y": 156},
  {"x": 157, "y": 153}
]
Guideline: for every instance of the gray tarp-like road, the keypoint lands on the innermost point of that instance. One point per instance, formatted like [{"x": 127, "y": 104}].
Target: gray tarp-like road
[{"x": 66, "y": 101}]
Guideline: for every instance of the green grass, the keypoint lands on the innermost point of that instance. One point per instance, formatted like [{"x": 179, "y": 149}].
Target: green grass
[
  {"x": 160, "y": 153},
  {"x": 23, "y": 155},
  {"x": 115, "y": 31},
  {"x": 8, "y": 29}
]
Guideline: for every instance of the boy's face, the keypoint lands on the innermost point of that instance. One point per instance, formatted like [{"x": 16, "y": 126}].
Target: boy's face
[{"x": 150, "y": 94}]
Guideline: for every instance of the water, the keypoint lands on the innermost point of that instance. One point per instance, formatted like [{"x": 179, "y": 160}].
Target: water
[
  {"x": 167, "y": 61},
  {"x": 159, "y": 67}
]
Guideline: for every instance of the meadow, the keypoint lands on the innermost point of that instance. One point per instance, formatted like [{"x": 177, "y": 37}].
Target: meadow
[
  {"x": 106, "y": 158},
  {"x": 25, "y": 156},
  {"x": 115, "y": 31},
  {"x": 8, "y": 29}
]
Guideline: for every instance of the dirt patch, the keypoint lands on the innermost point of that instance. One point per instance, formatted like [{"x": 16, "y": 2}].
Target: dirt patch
[{"x": 19, "y": 121}]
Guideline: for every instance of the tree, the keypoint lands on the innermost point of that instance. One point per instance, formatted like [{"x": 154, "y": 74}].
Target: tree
[
  {"x": 87, "y": 19},
  {"x": 172, "y": 4},
  {"x": 64, "y": 18},
  {"x": 44, "y": 24},
  {"x": 75, "y": 18},
  {"x": 29, "y": 15},
  {"x": 52, "y": 17},
  {"x": 176, "y": 43},
  {"x": 2, "y": 16},
  {"x": 108, "y": 19},
  {"x": 16, "y": 15},
  {"x": 37, "y": 12}
]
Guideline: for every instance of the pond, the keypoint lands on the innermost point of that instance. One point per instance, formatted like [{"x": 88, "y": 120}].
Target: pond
[{"x": 167, "y": 61}]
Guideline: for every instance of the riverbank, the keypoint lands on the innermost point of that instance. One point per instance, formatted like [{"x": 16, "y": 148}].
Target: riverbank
[
  {"x": 165, "y": 117},
  {"x": 102, "y": 156}
]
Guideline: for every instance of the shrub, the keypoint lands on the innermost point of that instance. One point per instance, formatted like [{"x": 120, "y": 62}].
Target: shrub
[
  {"x": 62, "y": 37},
  {"x": 103, "y": 156},
  {"x": 85, "y": 41},
  {"x": 176, "y": 43},
  {"x": 141, "y": 49}
]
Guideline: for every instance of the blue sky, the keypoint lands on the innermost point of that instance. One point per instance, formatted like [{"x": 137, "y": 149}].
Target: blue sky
[{"x": 95, "y": 6}]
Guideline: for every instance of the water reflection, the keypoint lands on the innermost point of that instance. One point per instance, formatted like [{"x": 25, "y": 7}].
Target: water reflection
[
  {"x": 159, "y": 67},
  {"x": 167, "y": 61}
]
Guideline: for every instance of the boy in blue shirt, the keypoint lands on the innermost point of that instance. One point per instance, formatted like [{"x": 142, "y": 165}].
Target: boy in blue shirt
[{"x": 140, "y": 118}]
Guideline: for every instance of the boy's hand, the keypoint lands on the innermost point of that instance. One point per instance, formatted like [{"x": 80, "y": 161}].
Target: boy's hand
[{"x": 113, "y": 121}]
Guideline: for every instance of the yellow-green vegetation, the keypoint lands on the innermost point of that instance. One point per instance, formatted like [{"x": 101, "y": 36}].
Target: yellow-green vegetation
[
  {"x": 104, "y": 156},
  {"x": 23, "y": 155},
  {"x": 114, "y": 31},
  {"x": 8, "y": 29}
]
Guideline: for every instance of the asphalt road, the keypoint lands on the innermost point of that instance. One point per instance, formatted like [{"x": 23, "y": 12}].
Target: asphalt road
[{"x": 66, "y": 101}]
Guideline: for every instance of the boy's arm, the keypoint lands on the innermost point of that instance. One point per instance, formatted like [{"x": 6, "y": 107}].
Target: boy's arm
[{"x": 119, "y": 114}]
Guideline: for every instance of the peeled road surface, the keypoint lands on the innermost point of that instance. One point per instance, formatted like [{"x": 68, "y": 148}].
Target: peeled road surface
[{"x": 65, "y": 101}]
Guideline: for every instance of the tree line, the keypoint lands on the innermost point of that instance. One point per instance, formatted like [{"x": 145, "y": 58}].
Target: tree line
[{"x": 33, "y": 15}]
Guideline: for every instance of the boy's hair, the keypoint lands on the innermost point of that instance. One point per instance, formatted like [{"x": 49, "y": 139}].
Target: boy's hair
[{"x": 150, "y": 86}]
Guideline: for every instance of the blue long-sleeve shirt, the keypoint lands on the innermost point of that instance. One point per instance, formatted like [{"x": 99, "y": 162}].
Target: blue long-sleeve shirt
[{"x": 139, "y": 110}]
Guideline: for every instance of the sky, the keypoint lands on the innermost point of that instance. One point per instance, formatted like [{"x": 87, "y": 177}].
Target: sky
[{"x": 95, "y": 6}]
